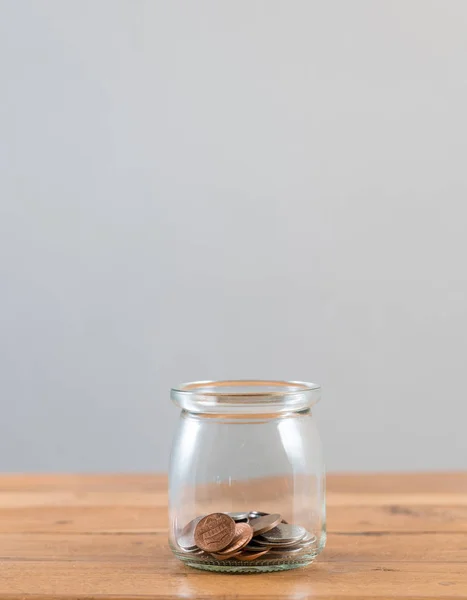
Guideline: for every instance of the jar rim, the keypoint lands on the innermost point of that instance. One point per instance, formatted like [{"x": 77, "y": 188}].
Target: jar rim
[{"x": 245, "y": 395}]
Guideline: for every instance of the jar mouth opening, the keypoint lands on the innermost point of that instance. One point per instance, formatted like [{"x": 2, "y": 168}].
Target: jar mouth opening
[{"x": 245, "y": 395}]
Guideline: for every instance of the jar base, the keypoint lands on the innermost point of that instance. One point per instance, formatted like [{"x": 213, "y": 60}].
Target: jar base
[
  {"x": 238, "y": 570},
  {"x": 257, "y": 566}
]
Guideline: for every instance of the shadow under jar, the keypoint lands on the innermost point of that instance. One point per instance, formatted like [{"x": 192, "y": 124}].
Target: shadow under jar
[{"x": 246, "y": 480}]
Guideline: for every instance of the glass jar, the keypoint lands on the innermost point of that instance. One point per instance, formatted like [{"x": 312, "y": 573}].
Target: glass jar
[{"x": 246, "y": 449}]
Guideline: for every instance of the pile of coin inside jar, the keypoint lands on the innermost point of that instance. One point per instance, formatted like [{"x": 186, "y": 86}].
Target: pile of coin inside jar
[{"x": 243, "y": 536}]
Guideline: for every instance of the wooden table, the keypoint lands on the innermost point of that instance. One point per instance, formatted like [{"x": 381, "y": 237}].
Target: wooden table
[{"x": 70, "y": 536}]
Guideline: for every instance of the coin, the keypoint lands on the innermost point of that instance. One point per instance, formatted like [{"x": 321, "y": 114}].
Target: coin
[
  {"x": 243, "y": 534},
  {"x": 283, "y": 534},
  {"x": 261, "y": 525},
  {"x": 250, "y": 555},
  {"x": 285, "y": 551},
  {"x": 225, "y": 556},
  {"x": 256, "y": 547},
  {"x": 214, "y": 532},
  {"x": 225, "y": 536},
  {"x": 256, "y": 513},
  {"x": 307, "y": 540},
  {"x": 262, "y": 543},
  {"x": 186, "y": 540},
  {"x": 238, "y": 516},
  {"x": 194, "y": 550}
]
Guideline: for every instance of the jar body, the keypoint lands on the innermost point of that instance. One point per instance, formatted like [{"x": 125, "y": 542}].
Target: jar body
[{"x": 258, "y": 463}]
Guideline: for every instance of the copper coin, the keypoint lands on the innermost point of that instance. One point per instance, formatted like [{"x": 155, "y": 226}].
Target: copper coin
[
  {"x": 214, "y": 532},
  {"x": 243, "y": 534},
  {"x": 186, "y": 540},
  {"x": 220, "y": 556},
  {"x": 261, "y": 525},
  {"x": 285, "y": 551},
  {"x": 250, "y": 555}
]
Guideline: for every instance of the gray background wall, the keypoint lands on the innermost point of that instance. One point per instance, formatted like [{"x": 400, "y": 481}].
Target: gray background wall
[{"x": 194, "y": 190}]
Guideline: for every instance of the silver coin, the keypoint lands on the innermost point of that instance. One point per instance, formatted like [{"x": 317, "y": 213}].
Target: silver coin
[
  {"x": 186, "y": 539},
  {"x": 308, "y": 537},
  {"x": 305, "y": 542},
  {"x": 194, "y": 550},
  {"x": 276, "y": 545},
  {"x": 238, "y": 516},
  {"x": 308, "y": 540},
  {"x": 282, "y": 534},
  {"x": 255, "y": 513}
]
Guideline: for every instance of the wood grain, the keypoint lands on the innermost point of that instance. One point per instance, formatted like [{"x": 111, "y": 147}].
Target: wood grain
[
  {"x": 135, "y": 547},
  {"x": 105, "y": 536}
]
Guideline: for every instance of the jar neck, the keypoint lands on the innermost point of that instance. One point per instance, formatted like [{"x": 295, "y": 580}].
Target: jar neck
[{"x": 246, "y": 417}]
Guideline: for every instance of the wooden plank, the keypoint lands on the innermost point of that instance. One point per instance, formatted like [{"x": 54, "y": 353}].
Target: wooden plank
[
  {"x": 72, "y": 498},
  {"x": 398, "y": 548},
  {"x": 221, "y": 596},
  {"x": 108, "y": 519},
  {"x": 167, "y": 579},
  {"x": 356, "y": 499},
  {"x": 365, "y": 483},
  {"x": 130, "y": 498},
  {"x": 86, "y": 519},
  {"x": 19, "y": 596},
  {"x": 65, "y": 498},
  {"x": 362, "y": 483},
  {"x": 398, "y": 483},
  {"x": 30, "y": 482},
  {"x": 435, "y": 548},
  {"x": 402, "y": 518}
]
